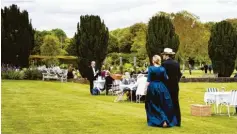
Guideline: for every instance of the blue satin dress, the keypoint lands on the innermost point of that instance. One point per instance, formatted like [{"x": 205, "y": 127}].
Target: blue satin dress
[{"x": 158, "y": 104}]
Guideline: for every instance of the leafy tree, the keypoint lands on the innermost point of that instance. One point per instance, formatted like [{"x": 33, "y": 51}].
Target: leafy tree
[
  {"x": 50, "y": 46},
  {"x": 160, "y": 34},
  {"x": 60, "y": 34},
  {"x": 91, "y": 41},
  {"x": 138, "y": 31},
  {"x": 233, "y": 22},
  {"x": 113, "y": 45},
  {"x": 72, "y": 47},
  {"x": 222, "y": 48},
  {"x": 125, "y": 39},
  {"x": 193, "y": 36},
  {"x": 17, "y": 36},
  {"x": 39, "y": 37}
]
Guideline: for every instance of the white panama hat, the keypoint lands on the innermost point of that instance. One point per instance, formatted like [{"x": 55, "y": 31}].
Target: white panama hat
[{"x": 168, "y": 51}]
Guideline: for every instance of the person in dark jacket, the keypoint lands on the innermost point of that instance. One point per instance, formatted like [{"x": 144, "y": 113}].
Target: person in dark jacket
[
  {"x": 92, "y": 74},
  {"x": 108, "y": 82},
  {"x": 174, "y": 74},
  {"x": 205, "y": 68}
]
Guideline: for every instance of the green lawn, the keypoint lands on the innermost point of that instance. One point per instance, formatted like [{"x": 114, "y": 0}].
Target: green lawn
[{"x": 54, "y": 107}]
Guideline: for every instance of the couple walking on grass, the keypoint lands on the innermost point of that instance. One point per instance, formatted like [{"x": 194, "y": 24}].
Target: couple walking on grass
[{"x": 162, "y": 102}]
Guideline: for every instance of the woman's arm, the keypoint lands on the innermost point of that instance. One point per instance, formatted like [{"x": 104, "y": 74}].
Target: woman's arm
[
  {"x": 148, "y": 77},
  {"x": 165, "y": 75}
]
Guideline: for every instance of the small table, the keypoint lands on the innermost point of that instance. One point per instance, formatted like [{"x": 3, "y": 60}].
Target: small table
[
  {"x": 218, "y": 98},
  {"x": 99, "y": 84},
  {"x": 130, "y": 86}
]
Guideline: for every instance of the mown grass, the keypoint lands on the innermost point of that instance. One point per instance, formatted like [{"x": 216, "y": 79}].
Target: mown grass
[{"x": 53, "y": 107}]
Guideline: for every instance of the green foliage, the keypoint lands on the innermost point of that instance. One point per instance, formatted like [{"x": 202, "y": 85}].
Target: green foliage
[
  {"x": 13, "y": 75},
  {"x": 64, "y": 42},
  {"x": 50, "y": 46},
  {"x": 72, "y": 47},
  {"x": 91, "y": 42},
  {"x": 127, "y": 67},
  {"x": 113, "y": 44},
  {"x": 222, "y": 48},
  {"x": 53, "y": 61},
  {"x": 64, "y": 66},
  {"x": 139, "y": 31},
  {"x": 113, "y": 59},
  {"x": 160, "y": 34},
  {"x": 233, "y": 22},
  {"x": 124, "y": 38},
  {"x": 192, "y": 43},
  {"x": 17, "y": 36},
  {"x": 60, "y": 34},
  {"x": 32, "y": 74}
]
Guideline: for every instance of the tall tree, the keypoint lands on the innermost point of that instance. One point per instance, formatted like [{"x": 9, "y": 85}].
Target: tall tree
[
  {"x": 92, "y": 41},
  {"x": 17, "y": 36},
  {"x": 138, "y": 32},
  {"x": 51, "y": 46},
  {"x": 160, "y": 34},
  {"x": 113, "y": 44},
  {"x": 193, "y": 36},
  {"x": 222, "y": 48},
  {"x": 60, "y": 34},
  {"x": 72, "y": 47}
]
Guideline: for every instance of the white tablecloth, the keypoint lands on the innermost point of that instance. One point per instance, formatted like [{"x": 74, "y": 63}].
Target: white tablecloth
[
  {"x": 217, "y": 97},
  {"x": 130, "y": 86},
  {"x": 99, "y": 84}
]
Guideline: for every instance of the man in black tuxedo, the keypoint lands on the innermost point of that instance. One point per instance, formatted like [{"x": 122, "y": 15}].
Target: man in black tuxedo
[
  {"x": 173, "y": 71},
  {"x": 92, "y": 73}
]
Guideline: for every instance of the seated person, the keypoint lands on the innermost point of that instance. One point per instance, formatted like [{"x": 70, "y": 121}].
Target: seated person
[
  {"x": 108, "y": 82},
  {"x": 127, "y": 79},
  {"x": 140, "y": 86},
  {"x": 70, "y": 74}
]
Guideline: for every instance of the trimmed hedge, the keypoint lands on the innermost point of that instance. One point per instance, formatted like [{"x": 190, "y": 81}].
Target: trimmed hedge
[{"x": 220, "y": 79}]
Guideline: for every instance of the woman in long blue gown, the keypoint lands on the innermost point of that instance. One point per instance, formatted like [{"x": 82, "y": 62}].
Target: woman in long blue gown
[{"x": 158, "y": 104}]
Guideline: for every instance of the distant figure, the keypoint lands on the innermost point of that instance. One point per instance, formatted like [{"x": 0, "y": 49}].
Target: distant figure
[
  {"x": 191, "y": 65},
  {"x": 70, "y": 74},
  {"x": 202, "y": 68},
  {"x": 210, "y": 68},
  {"x": 108, "y": 82},
  {"x": 190, "y": 69},
  {"x": 205, "y": 68}
]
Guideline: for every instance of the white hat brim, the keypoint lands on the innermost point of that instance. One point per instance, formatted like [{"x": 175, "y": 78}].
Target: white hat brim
[{"x": 168, "y": 53}]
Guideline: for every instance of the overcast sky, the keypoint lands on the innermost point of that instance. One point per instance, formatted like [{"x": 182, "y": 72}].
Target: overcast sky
[{"x": 64, "y": 14}]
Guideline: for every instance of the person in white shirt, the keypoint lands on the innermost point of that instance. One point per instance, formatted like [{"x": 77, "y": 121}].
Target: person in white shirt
[{"x": 92, "y": 74}]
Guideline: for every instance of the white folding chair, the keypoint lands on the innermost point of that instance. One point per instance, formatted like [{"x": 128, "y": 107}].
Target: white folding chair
[
  {"x": 141, "y": 88},
  {"x": 115, "y": 87},
  {"x": 212, "y": 90},
  {"x": 232, "y": 102},
  {"x": 211, "y": 101}
]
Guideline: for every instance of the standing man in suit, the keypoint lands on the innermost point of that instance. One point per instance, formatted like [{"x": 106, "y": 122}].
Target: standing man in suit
[
  {"x": 92, "y": 73},
  {"x": 173, "y": 71}
]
